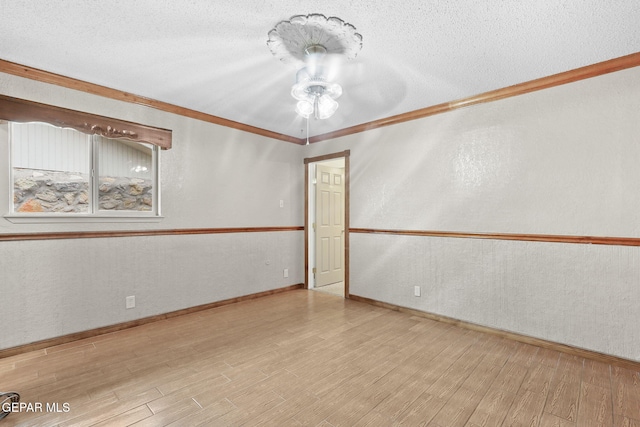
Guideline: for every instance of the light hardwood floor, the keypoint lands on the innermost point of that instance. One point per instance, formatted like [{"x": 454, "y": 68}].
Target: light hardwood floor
[
  {"x": 309, "y": 358},
  {"x": 334, "y": 289}
]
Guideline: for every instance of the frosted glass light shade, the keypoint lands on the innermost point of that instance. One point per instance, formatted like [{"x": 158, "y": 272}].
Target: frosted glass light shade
[
  {"x": 325, "y": 107},
  {"x": 315, "y": 95},
  {"x": 304, "y": 108}
]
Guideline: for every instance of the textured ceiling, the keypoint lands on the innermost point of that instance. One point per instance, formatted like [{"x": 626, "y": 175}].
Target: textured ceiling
[{"x": 211, "y": 56}]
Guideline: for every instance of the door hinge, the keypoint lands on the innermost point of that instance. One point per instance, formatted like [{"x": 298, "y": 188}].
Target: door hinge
[
  {"x": 314, "y": 226},
  {"x": 313, "y": 271}
]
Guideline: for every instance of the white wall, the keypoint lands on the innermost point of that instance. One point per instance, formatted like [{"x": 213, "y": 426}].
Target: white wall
[
  {"x": 247, "y": 175},
  {"x": 57, "y": 287},
  {"x": 558, "y": 161},
  {"x": 582, "y": 295}
]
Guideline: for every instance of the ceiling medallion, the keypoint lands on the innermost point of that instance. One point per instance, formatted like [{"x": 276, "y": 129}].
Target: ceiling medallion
[{"x": 307, "y": 42}]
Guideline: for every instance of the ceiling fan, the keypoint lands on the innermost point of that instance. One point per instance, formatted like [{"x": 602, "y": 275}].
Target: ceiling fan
[{"x": 316, "y": 46}]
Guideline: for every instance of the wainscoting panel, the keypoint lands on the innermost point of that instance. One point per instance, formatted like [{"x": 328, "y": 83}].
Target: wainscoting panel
[
  {"x": 580, "y": 295},
  {"x": 58, "y": 287}
]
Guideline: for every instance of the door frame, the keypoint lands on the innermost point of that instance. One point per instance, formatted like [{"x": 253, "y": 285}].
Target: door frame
[{"x": 316, "y": 159}]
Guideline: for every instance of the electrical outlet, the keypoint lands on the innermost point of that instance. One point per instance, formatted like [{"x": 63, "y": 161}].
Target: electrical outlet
[
  {"x": 130, "y": 301},
  {"x": 286, "y": 272},
  {"x": 416, "y": 291},
  {"x": 282, "y": 203}
]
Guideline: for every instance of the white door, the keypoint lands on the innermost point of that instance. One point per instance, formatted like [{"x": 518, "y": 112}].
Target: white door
[{"x": 329, "y": 225}]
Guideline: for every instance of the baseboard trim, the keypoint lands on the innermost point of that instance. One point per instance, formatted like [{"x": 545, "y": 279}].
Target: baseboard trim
[
  {"x": 539, "y": 342},
  {"x": 39, "y": 345}
]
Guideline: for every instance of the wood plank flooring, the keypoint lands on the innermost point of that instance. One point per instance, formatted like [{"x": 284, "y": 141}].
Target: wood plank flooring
[{"x": 314, "y": 359}]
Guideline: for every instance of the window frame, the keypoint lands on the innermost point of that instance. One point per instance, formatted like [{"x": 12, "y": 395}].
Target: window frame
[{"x": 23, "y": 111}]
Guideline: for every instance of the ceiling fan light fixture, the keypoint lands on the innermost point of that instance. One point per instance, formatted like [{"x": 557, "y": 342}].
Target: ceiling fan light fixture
[
  {"x": 305, "y": 41},
  {"x": 310, "y": 86},
  {"x": 316, "y": 96},
  {"x": 304, "y": 108},
  {"x": 325, "y": 107}
]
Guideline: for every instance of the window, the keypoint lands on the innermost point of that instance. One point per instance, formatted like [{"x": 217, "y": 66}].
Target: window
[
  {"x": 63, "y": 171},
  {"x": 68, "y": 164}
]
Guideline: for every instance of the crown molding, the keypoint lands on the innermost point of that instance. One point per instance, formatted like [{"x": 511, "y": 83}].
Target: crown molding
[
  {"x": 71, "y": 83},
  {"x": 582, "y": 73}
]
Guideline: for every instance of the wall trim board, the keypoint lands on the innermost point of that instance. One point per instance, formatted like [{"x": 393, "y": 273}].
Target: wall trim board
[
  {"x": 551, "y": 238},
  {"x": 140, "y": 233},
  {"x": 39, "y": 345},
  {"x": 577, "y": 74},
  {"x": 539, "y": 342},
  {"x": 582, "y": 73},
  {"x": 71, "y": 83}
]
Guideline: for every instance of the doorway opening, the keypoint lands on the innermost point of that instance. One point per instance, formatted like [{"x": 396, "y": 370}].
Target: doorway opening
[{"x": 327, "y": 223}]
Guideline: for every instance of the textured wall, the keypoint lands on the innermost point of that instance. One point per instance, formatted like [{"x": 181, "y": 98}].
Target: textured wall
[
  {"x": 582, "y": 295},
  {"x": 57, "y": 287},
  {"x": 246, "y": 174},
  {"x": 213, "y": 177},
  {"x": 558, "y": 161}
]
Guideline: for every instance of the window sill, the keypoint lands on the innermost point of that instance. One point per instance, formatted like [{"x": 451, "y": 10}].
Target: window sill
[{"x": 79, "y": 218}]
